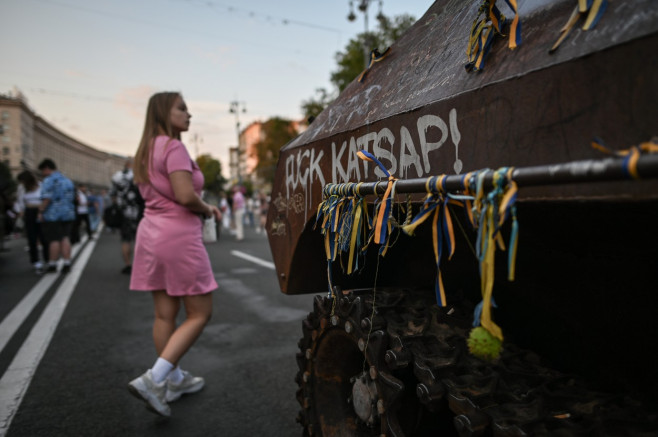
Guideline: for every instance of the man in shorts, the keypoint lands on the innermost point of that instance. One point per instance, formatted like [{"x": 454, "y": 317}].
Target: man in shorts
[
  {"x": 57, "y": 214},
  {"x": 126, "y": 194}
]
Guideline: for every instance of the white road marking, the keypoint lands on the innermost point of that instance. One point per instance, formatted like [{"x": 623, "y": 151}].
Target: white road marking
[
  {"x": 17, "y": 378},
  {"x": 253, "y": 259},
  {"x": 17, "y": 316}
]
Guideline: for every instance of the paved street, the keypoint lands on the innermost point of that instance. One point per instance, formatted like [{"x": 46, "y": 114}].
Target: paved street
[{"x": 103, "y": 340}]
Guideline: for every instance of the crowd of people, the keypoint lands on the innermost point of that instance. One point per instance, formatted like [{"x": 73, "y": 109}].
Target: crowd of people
[
  {"x": 240, "y": 210},
  {"x": 51, "y": 213}
]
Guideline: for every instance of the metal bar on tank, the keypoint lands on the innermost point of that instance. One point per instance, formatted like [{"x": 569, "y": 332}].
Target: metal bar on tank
[{"x": 586, "y": 171}]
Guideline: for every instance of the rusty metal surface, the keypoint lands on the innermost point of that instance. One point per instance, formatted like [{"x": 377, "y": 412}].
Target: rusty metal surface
[
  {"x": 426, "y": 64},
  {"x": 422, "y": 114}
]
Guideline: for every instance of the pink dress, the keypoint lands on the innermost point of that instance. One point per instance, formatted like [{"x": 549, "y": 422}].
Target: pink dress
[{"x": 169, "y": 251}]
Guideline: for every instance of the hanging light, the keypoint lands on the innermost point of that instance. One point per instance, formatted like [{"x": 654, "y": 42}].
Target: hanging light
[
  {"x": 352, "y": 15},
  {"x": 363, "y": 6},
  {"x": 380, "y": 16}
]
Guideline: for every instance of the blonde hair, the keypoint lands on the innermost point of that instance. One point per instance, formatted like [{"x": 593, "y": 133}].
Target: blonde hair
[{"x": 157, "y": 123}]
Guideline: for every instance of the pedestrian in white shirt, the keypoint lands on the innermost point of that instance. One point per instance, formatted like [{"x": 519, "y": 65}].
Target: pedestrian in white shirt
[{"x": 27, "y": 206}]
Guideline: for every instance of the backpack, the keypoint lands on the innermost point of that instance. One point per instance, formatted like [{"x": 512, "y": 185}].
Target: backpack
[{"x": 113, "y": 216}]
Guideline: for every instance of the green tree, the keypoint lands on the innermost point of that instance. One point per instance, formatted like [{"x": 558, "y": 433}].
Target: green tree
[
  {"x": 313, "y": 106},
  {"x": 212, "y": 173},
  {"x": 351, "y": 61},
  {"x": 277, "y": 132}
]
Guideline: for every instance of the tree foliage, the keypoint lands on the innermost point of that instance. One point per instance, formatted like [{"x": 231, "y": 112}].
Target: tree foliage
[
  {"x": 212, "y": 174},
  {"x": 277, "y": 132},
  {"x": 313, "y": 106},
  {"x": 352, "y": 60}
]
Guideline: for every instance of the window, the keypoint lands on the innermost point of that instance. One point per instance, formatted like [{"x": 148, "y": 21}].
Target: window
[
  {"x": 5, "y": 151},
  {"x": 5, "y": 115}
]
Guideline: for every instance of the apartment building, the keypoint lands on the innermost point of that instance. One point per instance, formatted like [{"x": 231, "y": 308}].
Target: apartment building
[
  {"x": 26, "y": 139},
  {"x": 243, "y": 160}
]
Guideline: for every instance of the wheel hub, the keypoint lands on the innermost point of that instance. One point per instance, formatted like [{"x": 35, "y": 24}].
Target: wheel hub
[{"x": 364, "y": 398}]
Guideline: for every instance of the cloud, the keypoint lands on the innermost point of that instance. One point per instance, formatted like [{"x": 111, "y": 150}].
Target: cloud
[{"x": 134, "y": 99}]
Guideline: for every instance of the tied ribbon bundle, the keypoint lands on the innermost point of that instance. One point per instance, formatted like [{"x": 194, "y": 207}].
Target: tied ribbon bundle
[
  {"x": 631, "y": 155},
  {"x": 375, "y": 56},
  {"x": 593, "y": 9},
  {"x": 488, "y": 23},
  {"x": 490, "y": 212},
  {"x": 344, "y": 222},
  {"x": 383, "y": 208},
  {"x": 436, "y": 206}
]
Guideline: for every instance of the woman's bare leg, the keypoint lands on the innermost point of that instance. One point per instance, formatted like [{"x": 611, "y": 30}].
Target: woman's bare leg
[
  {"x": 198, "y": 310},
  {"x": 164, "y": 325}
]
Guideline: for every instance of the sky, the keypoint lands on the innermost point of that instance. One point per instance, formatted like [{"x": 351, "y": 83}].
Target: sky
[{"x": 88, "y": 66}]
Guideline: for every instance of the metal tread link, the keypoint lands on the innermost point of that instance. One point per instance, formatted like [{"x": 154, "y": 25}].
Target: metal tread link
[{"x": 515, "y": 396}]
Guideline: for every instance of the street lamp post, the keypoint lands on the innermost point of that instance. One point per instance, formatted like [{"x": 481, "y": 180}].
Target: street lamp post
[{"x": 235, "y": 108}]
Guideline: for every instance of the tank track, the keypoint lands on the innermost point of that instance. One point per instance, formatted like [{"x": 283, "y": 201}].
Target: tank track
[{"x": 421, "y": 380}]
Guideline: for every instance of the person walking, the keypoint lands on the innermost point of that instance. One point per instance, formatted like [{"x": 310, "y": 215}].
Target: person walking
[
  {"x": 95, "y": 210},
  {"x": 57, "y": 214},
  {"x": 225, "y": 209},
  {"x": 81, "y": 215},
  {"x": 238, "y": 211},
  {"x": 127, "y": 196},
  {"x": 28, "y": 202},
  {"x": 170, "y": 259}
]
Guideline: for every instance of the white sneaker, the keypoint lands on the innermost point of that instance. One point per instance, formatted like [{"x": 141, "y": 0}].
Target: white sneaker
[
  {"x": 189, "y": 384},
  {"x": 153, "y": 394}
]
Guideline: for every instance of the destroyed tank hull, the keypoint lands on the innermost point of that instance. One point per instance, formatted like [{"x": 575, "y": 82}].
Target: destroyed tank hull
[{"x": 378, "y": 355}]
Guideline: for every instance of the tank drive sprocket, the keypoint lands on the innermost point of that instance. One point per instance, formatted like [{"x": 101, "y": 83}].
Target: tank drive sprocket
[{"x": 403, "y": 369}]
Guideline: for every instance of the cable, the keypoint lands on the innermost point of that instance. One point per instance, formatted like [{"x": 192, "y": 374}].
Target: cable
[
  {"x": 268, "y": 18},
  {"x": 170, "y": 27}
]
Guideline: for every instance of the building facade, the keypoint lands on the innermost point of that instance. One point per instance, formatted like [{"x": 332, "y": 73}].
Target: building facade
[
  {"x": 243, "y": 160},
  {"x": 26, "y": 139}
]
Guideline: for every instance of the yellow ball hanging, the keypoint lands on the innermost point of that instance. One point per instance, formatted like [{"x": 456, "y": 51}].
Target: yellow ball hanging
[{"x": 484, "y": 345}]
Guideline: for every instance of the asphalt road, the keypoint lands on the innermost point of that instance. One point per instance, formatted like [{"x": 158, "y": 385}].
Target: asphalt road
[{"x": 103, "y": 340}]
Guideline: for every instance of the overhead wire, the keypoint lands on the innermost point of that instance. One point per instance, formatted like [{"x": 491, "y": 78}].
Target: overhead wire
[
  {"x": 169, "y": 26},
  {"x": 269, "y": 18}
]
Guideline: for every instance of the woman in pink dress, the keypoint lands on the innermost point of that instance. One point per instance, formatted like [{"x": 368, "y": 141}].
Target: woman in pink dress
[{"x": 170, "y": 260}]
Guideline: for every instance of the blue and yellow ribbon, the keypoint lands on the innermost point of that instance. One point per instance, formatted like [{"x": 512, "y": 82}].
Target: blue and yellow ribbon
[
  {"x": 491, "y": 210},
  {"x": 349, "y": 229},
  {"x": 375, "y": 57},
  {"x": 436, "y": 206},
  {"x": 631, "y": 155},
  {"x": 488, "y": 23},
  {"x": 592, "y": 10},
  {"x": 382, "y": 226}
]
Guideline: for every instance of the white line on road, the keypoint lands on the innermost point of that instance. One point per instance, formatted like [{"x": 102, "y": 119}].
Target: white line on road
[
  {"x": 253, "y": 259},
  {"x": 15, "y": 319},
  {"x": 17, "y": 378}
]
